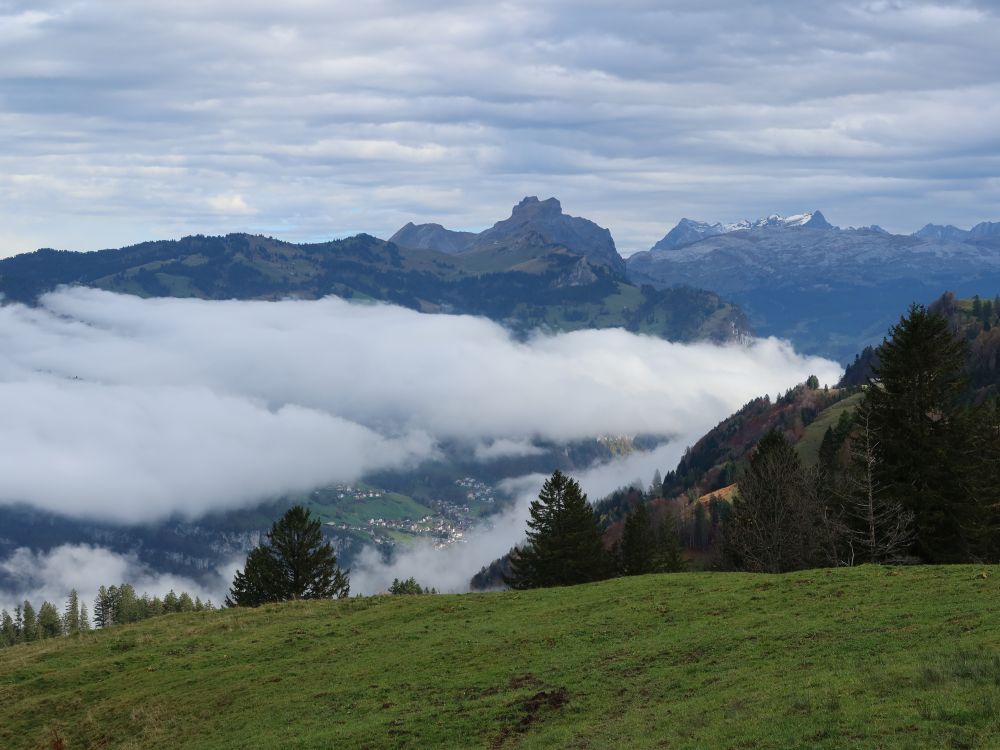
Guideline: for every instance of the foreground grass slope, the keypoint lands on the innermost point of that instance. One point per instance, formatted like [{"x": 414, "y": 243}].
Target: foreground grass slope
[{"x": 866, "y": 657}]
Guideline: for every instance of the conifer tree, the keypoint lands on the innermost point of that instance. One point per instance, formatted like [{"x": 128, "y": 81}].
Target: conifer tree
[
  {"x": 656, "y": 488},
  {"x": 293, "y": 563},
  {"x": 647, "y": 547},
  {"x": 564, "y": 545},
  {"x": 104, "y": 615},
  {"x": 29, "y": 623},
  {"x": 914, "y": 408},
  {"x": 71, "y": 617},
  {"x": 668, "y": 555},
  {"x": 638, "y": 546},
  {"x": 84, "y": 618},
  {"x": 50, "y": 624},
  {"x": 8, "y": 636},
  {"x": 126, "y": 604}
]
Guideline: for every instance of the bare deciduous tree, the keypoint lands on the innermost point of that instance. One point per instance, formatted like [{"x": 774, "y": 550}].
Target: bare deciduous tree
[{"x": 876, "y": 528}]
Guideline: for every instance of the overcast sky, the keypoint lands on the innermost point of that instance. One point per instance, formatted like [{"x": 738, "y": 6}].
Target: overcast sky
[{"x": 123, "y": 121}]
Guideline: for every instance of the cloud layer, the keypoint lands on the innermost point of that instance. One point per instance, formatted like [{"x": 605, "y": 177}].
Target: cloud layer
[
  {"x": 131, "y": 410},
  {"x": 309, "y": 120}
]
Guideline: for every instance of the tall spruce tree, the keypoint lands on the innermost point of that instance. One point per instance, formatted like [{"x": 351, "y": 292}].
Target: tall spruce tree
[
  {"x": 913, "y": 404},
  {"x": 71, "y": 616},
  {"x": 564, "y": 545},
  {"x": 293, "y": 563}
]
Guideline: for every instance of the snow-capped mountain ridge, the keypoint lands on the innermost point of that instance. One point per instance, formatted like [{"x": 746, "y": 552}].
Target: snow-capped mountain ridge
[
  {"x": 830, "y": 291},
  {"x": 688, "y": 231}
]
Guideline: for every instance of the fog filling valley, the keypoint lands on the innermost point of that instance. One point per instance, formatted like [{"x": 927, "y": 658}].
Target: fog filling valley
[{"x": 134, "y": 411}]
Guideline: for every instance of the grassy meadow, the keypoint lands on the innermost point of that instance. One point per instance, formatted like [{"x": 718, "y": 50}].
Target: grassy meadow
[{"x": 868, "y": 657}]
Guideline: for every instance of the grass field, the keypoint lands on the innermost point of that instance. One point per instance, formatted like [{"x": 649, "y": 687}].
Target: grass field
[{"x": 850, "y": 658}]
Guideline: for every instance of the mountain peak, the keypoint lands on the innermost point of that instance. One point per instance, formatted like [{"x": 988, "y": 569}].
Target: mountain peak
[
  {"x": 816, "y": 220},
  {"x": 530, "y": 207},
  {"x": 546, "y": 218}
]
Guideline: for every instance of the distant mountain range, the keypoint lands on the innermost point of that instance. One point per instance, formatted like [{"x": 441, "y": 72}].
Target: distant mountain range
[
  {"x": 830, "y": 291},
  {"x": 537, "y": 269},
  {"x": 983, "y": 231}
]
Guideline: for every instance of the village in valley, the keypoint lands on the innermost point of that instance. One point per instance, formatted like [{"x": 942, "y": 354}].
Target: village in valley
[{"x": 386, "y": 518}]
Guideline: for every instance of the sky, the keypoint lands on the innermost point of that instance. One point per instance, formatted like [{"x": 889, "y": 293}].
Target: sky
[
  {"x": 130, "y": 411},
  {"x": 307, "y": 120}
]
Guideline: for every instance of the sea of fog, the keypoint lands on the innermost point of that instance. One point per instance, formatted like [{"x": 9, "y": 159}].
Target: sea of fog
[{"x": 132, "y": 411}]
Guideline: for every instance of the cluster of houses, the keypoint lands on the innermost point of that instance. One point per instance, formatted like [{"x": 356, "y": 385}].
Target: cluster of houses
[
  {"x": 476, "y": 491},
  {"x": 347, "y": 491},
  {"x": 448, "y": 525}
]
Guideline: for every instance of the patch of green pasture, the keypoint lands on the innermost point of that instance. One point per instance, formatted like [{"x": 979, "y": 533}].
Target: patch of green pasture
[
  {"x": 846, "y": 658},
  {"x": 808, "y": 446}
]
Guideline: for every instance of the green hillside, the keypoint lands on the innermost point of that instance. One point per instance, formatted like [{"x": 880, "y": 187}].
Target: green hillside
[
  {"x": 808, "y": 445},
  {"x": 865, "y": 657}
]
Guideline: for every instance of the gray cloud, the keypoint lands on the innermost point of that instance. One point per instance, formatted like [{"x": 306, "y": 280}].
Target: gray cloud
[
  {"x": 135, "y": 410},
  {"x": 309, "y": 120}
]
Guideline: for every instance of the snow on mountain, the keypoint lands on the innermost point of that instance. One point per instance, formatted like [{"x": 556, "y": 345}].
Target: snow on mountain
[
  {"x": 688, "y": 231},
  {"x": 829, "y": 292}
]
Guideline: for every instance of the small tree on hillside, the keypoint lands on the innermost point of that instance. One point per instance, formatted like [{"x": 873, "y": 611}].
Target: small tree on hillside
[
  {"x": 294, "y": 563},
  {"x": 564, "y": 545}
]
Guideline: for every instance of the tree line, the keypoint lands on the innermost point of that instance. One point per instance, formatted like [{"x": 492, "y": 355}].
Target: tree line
[{"x": 114, "y": 605}]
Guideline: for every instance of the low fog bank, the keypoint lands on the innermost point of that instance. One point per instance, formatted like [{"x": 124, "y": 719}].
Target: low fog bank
[{"x": 132, "y": 410}]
